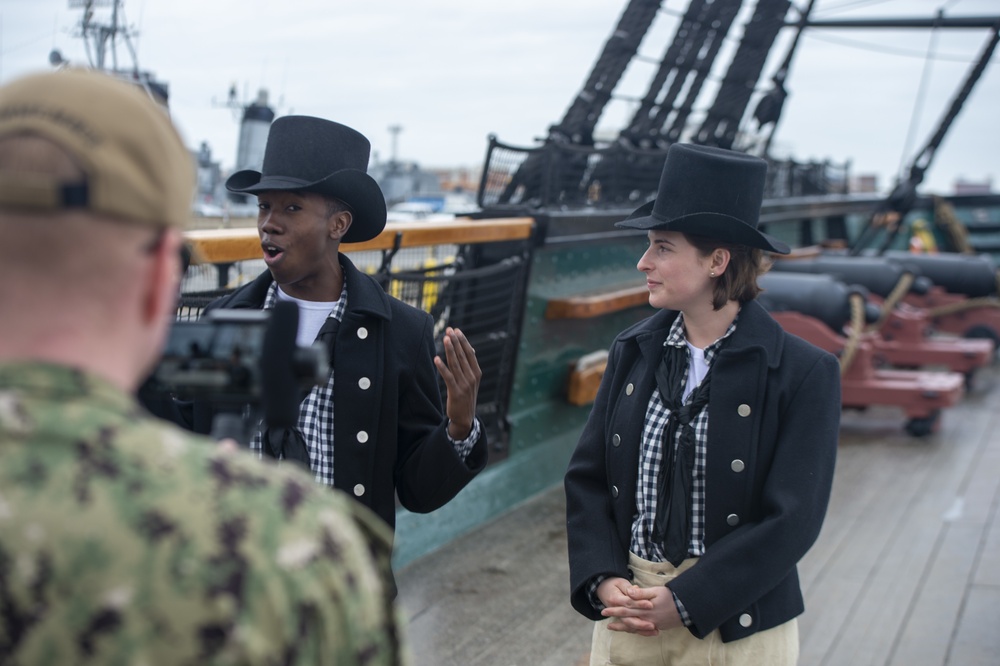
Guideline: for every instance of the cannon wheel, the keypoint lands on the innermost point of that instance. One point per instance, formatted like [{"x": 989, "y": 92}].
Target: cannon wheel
[
  {"x": 923, "y": 426},
  {"x": 981, "y": 331}
]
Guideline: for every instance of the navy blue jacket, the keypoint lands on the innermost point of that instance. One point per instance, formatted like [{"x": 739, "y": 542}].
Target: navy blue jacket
[
  {"x": 774, "y": 415},
  {"x": 407, "y": 449}
]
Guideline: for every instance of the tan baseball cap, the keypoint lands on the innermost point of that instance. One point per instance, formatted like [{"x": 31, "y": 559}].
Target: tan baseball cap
[{"x": 136, "y": 166}]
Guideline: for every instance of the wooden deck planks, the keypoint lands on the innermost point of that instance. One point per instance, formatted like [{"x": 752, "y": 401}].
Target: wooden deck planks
[
  {"x": 838, "y": 603},
  {"x": 499, "y": 595},
  {"x": 977, "y": 633},
  {"x": 915, "y": 563},
  {"x": 977, "y": 642},
  {"x": 905, "y": 572}
]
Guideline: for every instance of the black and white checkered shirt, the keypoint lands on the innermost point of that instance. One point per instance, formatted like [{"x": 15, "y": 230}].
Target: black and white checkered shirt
[
  {"x": 316, "y": 411},
  {"x": 651, "y": 457}
]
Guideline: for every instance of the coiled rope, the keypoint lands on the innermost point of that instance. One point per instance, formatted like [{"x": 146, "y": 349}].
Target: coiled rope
[
  {"x": 961, "y": 306},
  {"x": 944, "y": 217},
  {"x": 895, "y": 296},
  {"x": 857, "y": 302}
]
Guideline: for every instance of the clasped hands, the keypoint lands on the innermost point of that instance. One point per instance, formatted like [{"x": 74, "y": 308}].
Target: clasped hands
[{"x": 638, "y": 610}]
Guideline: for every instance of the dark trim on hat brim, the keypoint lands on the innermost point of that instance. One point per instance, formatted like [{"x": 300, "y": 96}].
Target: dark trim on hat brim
[
  {"x": 256, "y": 183},
  {"x": 354, "y": 187},
  {"x": 709, "y": 225}
]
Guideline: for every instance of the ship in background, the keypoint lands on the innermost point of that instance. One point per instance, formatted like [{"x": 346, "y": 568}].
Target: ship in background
[
  {"x": 411, "y": 191},
  {"x": 576, "y": 165},
  {"x": 574, "y": 168},
  {"x": 101, "y": 41},
  {"x": 416, "y": 193},
  {"x": 212, "y": 198},
  {"x": 109, "y": 45}
]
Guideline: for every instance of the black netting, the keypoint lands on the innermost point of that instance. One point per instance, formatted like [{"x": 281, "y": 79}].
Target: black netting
[
  {"x": 191, "y": 304},
  {"x": 566, "y": 175}
]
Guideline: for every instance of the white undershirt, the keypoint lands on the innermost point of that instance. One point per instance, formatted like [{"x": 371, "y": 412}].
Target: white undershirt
[
  {"x": 312, "y": 316},
  {"x": 697, "y": 369}
]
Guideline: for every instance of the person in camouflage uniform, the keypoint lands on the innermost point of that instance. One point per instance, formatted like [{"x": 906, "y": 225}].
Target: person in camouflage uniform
[{"x": 124, "y": 539}]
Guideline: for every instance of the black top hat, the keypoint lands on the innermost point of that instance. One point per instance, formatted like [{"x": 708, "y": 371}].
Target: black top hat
[
  {"x": 709, "y": 192},
  {"x": 317, "y": 155}
]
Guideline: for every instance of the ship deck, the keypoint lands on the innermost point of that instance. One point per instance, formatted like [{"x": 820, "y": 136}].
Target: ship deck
[{"x": 906, "y": 571}]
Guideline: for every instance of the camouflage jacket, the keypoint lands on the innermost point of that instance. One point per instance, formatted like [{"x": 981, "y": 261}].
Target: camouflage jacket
[{"x": 125, "y": 540}]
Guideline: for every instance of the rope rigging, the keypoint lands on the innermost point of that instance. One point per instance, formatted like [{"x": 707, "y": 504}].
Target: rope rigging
[
  {"x": 921, "y": 98},
  {"x": 573, "y": 167}
]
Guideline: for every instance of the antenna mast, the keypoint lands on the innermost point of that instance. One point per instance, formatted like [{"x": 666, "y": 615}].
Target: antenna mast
[{"x": 101, "y": 39}]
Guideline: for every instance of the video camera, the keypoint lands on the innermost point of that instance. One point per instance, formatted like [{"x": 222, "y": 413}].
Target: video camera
[
  {"x": 221, "y": 358},
  {"x": 241, "y": 362}
]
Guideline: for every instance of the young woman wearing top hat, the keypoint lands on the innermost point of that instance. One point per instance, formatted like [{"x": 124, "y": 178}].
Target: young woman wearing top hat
[{"x": 703, "y": 474}]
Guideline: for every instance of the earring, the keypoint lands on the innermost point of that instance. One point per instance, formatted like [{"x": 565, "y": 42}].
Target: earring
[{"x": 712, "y": 274}]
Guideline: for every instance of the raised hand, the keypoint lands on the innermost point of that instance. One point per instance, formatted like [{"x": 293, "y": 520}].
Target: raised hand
[{"x": 461, "y": 376}]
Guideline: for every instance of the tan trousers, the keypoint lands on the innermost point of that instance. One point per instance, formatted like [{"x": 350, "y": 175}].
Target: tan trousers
[{"x": 679, "y": 647}]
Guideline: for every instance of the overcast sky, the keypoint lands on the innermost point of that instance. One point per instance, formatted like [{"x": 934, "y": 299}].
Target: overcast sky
[{"x": 450, "y": 72}]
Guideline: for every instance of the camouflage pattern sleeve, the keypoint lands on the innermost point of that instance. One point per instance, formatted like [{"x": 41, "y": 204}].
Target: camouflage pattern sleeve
[{"x": 124, "y": 540}]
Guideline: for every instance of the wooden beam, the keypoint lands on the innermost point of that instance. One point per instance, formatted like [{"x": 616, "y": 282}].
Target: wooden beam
[
  {"x": 457, "y": 232},
  {"x": 224, "y": 246},
  {"x": 594, "y": 304},
  {"x": 585, "y": 378},
  {"x": 228, "y": 245}
]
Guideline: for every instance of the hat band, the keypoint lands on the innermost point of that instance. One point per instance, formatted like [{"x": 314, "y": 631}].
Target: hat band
[
  {"x": 43, "y": 194},
  {"x": 681, "y": 218},
  {"x": 282, "y": 181}
]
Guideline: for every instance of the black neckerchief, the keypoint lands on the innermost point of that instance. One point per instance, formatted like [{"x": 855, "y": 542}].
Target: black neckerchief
[{"x": 672, "y": 525}]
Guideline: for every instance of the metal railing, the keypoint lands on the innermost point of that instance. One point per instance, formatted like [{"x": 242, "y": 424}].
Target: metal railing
[{"x": 486, "y": 303}]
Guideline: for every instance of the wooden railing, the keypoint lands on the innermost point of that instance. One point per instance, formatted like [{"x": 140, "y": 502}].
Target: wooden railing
[{"x": 221, "y": 246}]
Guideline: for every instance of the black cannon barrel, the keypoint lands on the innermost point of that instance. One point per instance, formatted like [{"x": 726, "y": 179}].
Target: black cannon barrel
[
  {"x": 822, "y": 297},
  {"x": 968, "y": 274},
  {"x": 876, "y": 274}
]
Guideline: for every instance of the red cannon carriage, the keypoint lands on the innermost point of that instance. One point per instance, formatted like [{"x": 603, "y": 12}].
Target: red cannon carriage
[
  {"x": 964, "y": 298},
  {"x": 833, "y": 316},
  {"x": 905, "y": 333}
]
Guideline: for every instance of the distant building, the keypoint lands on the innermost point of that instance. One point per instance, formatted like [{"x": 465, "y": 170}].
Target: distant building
[
  {"x": 963, "y": 186},
  {"x": 210, "y": 193},
  {"x": 458, "y": 179},
  {"x": 864, "y": 183},
  {"x": 400, "y": 181}
]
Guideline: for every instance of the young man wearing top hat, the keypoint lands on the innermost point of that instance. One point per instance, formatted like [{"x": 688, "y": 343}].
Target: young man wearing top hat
[
  {"x": 703, "y": 474},
  {"x": 377, "y": 428}
]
